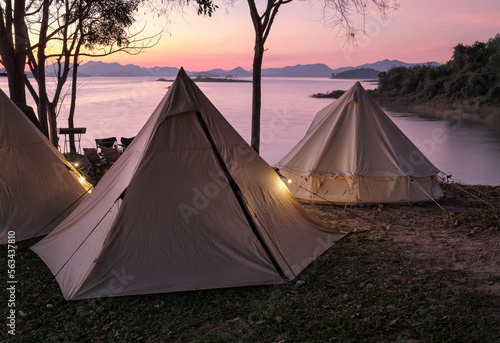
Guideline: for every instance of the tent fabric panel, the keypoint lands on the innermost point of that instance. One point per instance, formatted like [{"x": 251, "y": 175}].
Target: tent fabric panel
[
  {"x": 397, "y": 190},
  {"x": 380, "y": 190},
  {"x": 201, "y": 237},
  {"x": 91, "y": 218},
  {"x": 73, "y": 259},
  {"x": 293, "y": 236},
  {"x": 316, "y": 190},
  {"x": 179, "y": 225},
  {"x": 37, "y": 191},
  {"x": 363, "y": 190},
  {"x": 421, "y": 188},
  {"x": 351, "y": 138},
  {"x": 15, "y": 128},
  {"x": 38, "y": 186}
]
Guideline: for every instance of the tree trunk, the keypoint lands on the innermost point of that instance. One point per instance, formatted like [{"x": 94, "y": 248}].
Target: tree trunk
[
  {"x": 257, "y": 93},
  {"x": 51, "y": 113},
  {"x": 71, "y": 123},
  {"x": 13, "y": 49},
  {"x": 17, "y": 90},
  {"x": 43, "y": 104}
]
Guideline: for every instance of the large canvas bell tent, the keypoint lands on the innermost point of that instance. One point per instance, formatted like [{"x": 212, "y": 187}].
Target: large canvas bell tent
[
  {"x": 38, "y": 186},
  {"x": 189, "y": 205},
  {"x": 353, "y": 153}
]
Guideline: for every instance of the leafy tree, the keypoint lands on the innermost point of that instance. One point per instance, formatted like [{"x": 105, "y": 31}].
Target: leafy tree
[
  {"x": 73, "y": 29},
  {"x": 472, "y": 72}
]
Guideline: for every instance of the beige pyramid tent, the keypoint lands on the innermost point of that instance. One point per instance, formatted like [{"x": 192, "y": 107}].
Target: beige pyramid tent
[
  {"x": 38, "y": 186},
  {"x": 189, "y": 205},
  {"x": 354, "y": 154}
]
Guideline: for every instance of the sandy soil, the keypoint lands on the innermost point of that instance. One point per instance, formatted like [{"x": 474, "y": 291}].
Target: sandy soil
[{"x": 461, "y": 233}]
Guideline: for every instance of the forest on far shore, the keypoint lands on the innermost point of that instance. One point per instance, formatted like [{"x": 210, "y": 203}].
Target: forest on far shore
[{"x": 472, "y": 72}]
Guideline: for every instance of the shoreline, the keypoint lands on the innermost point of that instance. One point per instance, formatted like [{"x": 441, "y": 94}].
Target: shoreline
[
  {"x": 468, "y": 110},
  {"x": 463, "y": 110}
]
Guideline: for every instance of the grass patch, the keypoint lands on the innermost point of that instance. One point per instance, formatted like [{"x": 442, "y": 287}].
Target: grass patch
[{"x": 361, "y": 290}]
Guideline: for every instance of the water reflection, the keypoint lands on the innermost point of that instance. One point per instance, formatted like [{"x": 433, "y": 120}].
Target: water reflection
[
  {"x": 120, "y": 106},
  {"x": 468, "y": 151}
]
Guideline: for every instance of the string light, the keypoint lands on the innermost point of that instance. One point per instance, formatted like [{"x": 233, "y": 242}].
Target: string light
[
  {"x": 81, "y": 179},
  {"x": 289, "y": 181}
]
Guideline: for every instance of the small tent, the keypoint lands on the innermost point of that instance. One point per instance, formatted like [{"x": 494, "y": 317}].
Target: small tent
[
  {"x": 189, "y": 205},
  {"x": 38, "y": 186},
  {"x": 354, "y": 154}
]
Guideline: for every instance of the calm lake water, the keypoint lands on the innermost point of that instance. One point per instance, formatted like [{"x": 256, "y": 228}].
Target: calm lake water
[{"x": 120, "y": 106}]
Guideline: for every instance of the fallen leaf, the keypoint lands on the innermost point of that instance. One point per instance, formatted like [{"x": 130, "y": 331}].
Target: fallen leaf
[
  {"x": 107, "y": 326},
  {"x": 393, "y": 322}
]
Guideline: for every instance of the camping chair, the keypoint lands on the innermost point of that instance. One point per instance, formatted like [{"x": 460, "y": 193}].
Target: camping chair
[
  {"x": 110, "y": 154},
  {"x": 97, "y": 166},
  {"x": 126, "y": 142},
  {"x": 105, "y": 142}
]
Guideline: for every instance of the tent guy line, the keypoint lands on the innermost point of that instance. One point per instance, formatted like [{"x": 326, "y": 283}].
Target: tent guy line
[
  {"x": 344, "y": 207},
  {"x": 90, "y": 233},
  {"x": 63, "y": 211}
]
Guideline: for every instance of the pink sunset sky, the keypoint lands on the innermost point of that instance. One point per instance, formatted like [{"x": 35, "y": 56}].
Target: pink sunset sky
[{"x": 420, "y": 31}]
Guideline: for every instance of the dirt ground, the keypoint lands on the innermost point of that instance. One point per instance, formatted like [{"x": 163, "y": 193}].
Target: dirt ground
[{"x": 460, "y": 232}]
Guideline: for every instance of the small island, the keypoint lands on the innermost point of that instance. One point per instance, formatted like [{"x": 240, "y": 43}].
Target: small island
[
  {"x": 332, "y": 95},
  {"x": 201, "y": 78},
  {"x": 359, "y": 73}
]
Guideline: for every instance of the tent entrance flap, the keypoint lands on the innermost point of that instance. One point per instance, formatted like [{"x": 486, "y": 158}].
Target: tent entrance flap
[{"x": 239, "y": 196}]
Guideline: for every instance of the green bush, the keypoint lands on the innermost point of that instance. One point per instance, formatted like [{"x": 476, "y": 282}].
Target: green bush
[{"x": 473, "y": 72}]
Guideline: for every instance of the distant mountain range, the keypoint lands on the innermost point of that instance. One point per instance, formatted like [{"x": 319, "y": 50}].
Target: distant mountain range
[
  {"x": 98, "y": 68},
  {"x": 309, "y": 70}
]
